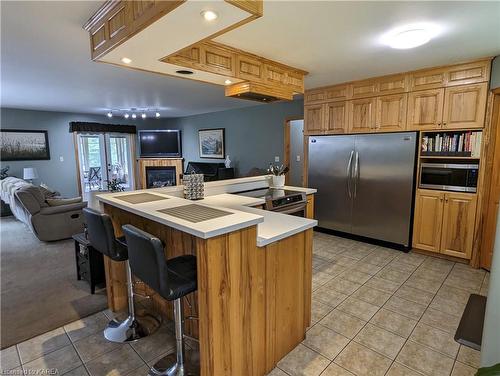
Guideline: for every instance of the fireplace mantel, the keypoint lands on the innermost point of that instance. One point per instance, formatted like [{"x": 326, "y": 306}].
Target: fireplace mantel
[{"x": 159, "y": 162}]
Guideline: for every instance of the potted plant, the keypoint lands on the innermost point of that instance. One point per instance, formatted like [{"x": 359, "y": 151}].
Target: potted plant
[
  {"x": 278, "y": 175},
  {"x": 114, "y": 185}
]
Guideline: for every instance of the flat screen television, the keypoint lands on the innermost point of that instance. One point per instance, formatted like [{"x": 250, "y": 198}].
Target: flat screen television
[{"x": 160, "y": 143}]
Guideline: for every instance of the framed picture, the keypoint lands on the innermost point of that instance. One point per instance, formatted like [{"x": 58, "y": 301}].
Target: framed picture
[
  {"x": 24, "y": 145},
  {"x": 211, "y": 142}
]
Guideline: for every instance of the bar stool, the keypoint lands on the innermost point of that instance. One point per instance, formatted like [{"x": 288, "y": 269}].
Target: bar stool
[
  {"x": 102, "y": 238},
  {"x": 172, "y": 279}
]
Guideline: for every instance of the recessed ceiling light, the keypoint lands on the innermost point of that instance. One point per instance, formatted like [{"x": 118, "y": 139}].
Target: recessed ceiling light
[
  {"x": 184, "y": 71},
  {"x": 143, "y": 115},
  {"x": 126, "y": 116},
  {"x": 157, "y": 114},
  {"x": 410, "y": 36},
  {"x": 134, "y": 116},
  {"x": 126, "y": 60},
  {"x": 209, "y": 15},
  {"x": 109, "y": 114},
  {"x": 228, "y": 82}
]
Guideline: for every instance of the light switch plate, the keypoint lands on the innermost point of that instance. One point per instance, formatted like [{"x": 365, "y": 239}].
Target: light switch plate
[
  {"x": 298, "y": 158},
  {"x": 61, "y": 158},
  {"x": 276, "y": 158}
]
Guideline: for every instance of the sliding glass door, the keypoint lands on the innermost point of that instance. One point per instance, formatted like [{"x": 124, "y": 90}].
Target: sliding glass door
[{"x": 104, "y": 159}]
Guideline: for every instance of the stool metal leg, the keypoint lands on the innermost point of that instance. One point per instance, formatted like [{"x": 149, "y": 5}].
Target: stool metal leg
[
  {"x": 180, "y": 363},
  {"x": 128, "y": 330}
]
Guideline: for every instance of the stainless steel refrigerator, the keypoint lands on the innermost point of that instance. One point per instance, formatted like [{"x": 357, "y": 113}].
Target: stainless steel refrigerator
[{"x": 365, "y": 184}]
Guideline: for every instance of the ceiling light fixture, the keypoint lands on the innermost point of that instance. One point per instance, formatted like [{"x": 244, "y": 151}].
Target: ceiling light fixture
[
  {"x": 109, "y": 114},
  {"x": 126, "y": 116},
  {"x": 157, "y": 115},
  {"x": 209, "y": 15},
  {"x": 134, "y": 116},
  {"x": 228, "y": 82},
  {"x": 410, "y": 36},
  {"x": 143, "y": 115},
  {"x": 126, "y": 60}
]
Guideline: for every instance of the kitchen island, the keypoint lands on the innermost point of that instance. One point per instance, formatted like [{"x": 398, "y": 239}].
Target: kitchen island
[{"x": 253, "y": 301}]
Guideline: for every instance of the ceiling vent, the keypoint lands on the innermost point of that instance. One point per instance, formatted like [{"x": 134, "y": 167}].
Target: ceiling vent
[{"x": 258, "y": 92}]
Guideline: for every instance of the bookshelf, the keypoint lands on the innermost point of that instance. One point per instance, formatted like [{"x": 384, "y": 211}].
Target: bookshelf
[{"x": 464, "y": 144}]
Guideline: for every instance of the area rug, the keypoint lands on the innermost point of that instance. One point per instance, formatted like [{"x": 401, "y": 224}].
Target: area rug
[{"x": 39, "y": 289}]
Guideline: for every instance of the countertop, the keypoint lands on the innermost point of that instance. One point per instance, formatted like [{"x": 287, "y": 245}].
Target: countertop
[{"x": 271, "y": 226}]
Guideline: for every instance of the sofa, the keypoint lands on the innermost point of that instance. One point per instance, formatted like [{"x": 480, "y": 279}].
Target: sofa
[
  {"x": 210, "y": 171},
  {"x": 30, "y": 205}
]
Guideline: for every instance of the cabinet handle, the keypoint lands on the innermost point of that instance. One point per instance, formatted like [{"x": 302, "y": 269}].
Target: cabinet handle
[
  {"x": 444, "y": 124},
  {"x": 441, "y": 198}
]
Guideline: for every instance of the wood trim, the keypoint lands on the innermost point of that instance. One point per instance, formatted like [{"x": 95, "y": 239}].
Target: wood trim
[
  {"x": 178, "y": 163},
  {"x": 77, "y": 160},
  {"x": 286, "y": 143}
]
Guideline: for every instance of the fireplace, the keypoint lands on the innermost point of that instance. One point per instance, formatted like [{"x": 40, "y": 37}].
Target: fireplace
[{"x": 160, "y": 176}]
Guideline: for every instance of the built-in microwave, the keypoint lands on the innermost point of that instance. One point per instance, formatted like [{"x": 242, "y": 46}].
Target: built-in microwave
[{"x": 449, "y": 176}]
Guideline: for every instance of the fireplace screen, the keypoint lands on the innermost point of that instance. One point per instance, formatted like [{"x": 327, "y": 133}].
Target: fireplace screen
[{"x": 160, "y": 176}]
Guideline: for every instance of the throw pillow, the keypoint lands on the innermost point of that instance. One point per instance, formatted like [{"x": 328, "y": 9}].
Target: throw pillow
[{"x": 63, "y": 201}]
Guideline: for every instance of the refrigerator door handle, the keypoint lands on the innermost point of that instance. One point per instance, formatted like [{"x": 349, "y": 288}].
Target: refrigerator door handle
[
  {"x": 356, "y": 174},
  {"x": 349, "y": 175}
]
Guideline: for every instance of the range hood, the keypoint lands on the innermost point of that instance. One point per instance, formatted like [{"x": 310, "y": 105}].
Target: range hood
[{"x": 258, "y": 92}]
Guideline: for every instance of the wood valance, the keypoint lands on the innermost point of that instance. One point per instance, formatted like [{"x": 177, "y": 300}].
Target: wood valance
[{"x": 80, "y": 126}]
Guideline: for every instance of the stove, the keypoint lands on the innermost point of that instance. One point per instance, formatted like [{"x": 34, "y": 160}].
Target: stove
[{"x": 280, "y": 200}]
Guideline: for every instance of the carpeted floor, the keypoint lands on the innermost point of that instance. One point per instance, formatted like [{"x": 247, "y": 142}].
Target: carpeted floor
[{"x": 39, "y": 289}]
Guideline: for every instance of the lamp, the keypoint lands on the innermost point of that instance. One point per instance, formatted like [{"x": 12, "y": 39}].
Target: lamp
[{"x": 30, "y": 173}]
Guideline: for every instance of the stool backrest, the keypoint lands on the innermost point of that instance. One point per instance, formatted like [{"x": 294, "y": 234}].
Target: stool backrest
[
  {"x": 147, "y": 259},
  {"x": 101, "y": 234}
]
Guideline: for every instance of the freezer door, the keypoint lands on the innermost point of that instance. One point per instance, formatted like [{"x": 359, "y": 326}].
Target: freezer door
[
  {"x": 383, "y": 190},
  {"x": 328, "y": 171}
]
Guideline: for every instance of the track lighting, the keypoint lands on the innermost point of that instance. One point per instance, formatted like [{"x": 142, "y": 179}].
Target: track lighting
[
  {"x": 143, "y": 115},
  {"x": 157, "y": 115},
  {"x": 126, "y": 116},
  {"x": 134, "y": 116},
  {"x": 109, "y": 114}
]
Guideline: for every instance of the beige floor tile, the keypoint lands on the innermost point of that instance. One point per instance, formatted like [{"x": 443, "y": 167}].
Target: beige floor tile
[
  {"x": 405, "y": 307},
  {"x": 336, "y": 370},
  {"x": 452, "y": 293},
  {"x": 436, "y": 339},
  {"x": 449, "y": 306},
  {"x": 329, "y": 296},
  {"x": 160, "y": 342},
  {"x": 325, "y": 341},
  {"x": 141, "y": 371},
  {"x": 319, "y": 310},
  {"x": 402, "y": 266},
  {"x": 355, "y": 276},
  {"x": 469, "y": 356},
  {"x": 42, "y": 344},
  {"x": 319, "y": 279},
  {"x": 61, "y": 360},
  {"x": 441, "y": 265},
  {"x": 358, "y": 308},
  {"x": 345, "y": 261},
  {"x": 78, "y": 371},
  {"x": 380, "y": 340},
  {"x": 366, "y": 267},
  {"x": 371, "y": 295},
  {"x": 304, "y": 362},
  {"x": 379, "y": 260},
  {"x": 471, "y": 286},
  {"x": 276, "y": 372},
  {"x": 119, "y": 361},
  {"x": 342, "y": 285},
  {"x": 460, "y": 369},
  {"x": 318, "y": 261},
  {"x": 92, "y": 346},
  {"x": 343, "y": 323},
  {"x": 383, "y": 284},
  {"x": 398, "y": 369},
  {"x": 423, "y": 284},
  {"x": 391, "y": 274},
  {"x": 86, "y": 326},
  {"x": 9, "y": 358},
  {"x": 424, "y": 359},
  {"x": 411, "y": 258},
  {"x": 414, "y": 295},
  {"x": 362, "y": 361},
  {"x": 430, "y": 274},
  {"x": 441, "y": 320},
  {"x": 333, "y": 269},
  {"x": 394, "y": 322}
]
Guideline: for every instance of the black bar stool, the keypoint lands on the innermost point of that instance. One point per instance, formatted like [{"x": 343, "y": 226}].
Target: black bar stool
[
  {"x": 172, "y": 279},
  {"x": 102, "y": 238}
]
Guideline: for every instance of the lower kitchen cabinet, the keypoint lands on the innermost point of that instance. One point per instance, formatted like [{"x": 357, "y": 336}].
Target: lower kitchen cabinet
[{"x": 444, "y": 222}]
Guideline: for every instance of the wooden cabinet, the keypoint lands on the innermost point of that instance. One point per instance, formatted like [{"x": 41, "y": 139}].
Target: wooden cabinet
[
  {"x": 444, "y": 222},
  {"x": 425, "y": 109},
  {"x": 428, "y": 220},
  {"x": 314, "y": 119},
  {"x": 465, "y": 106},
  {"x": 336, "y": 118},
  {"x": 362, "y": 115},
  {"x": 459, "y": 217},
  {"x": 391, "y": 113}
]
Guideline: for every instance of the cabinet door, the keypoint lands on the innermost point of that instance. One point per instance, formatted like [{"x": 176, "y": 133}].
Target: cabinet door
[
  {"x": 428, "y": 220},
  {"x": 336, "y": 117},
  {"x": 425, "y": 109},
  {"x": 391, "y": 113},
  {"x": 362, "y": 115},
  {"x": 458, "y": 224},
  {"x": 314, "y": 119},
  {"x": 465, "y": 106}
]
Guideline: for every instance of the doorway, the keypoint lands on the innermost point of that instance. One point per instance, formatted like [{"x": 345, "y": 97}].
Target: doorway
[
  {"x": 104, "y": 158},
  {"x": 294, "y": 152}
]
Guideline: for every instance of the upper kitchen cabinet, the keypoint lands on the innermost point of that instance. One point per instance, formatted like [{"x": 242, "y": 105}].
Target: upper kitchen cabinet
[
  {"x": 391, "y": 113},
  {"x": 362, "y": 115},
  {"x": 465, "y": 106},
  {"x": 425, "y": 109},
  {"x": 336, "y": 117},
  {"x": 314, "y": 119}
]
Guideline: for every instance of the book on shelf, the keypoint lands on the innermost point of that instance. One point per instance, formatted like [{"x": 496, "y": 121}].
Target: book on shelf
[{"x": 460, "y": 144}]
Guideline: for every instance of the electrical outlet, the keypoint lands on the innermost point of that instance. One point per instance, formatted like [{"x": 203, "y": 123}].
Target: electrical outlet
[
  {"x": 276, "y": 158},
  {"x": 298, "y": 158},
  {"x": 61, "y": 158}
]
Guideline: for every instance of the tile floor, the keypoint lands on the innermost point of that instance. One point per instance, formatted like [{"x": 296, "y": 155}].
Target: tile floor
[{"x": 375, "y": 311}]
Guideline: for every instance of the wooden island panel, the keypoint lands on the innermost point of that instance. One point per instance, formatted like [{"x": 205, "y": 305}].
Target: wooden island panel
[{"x": 253, "y": 303}]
